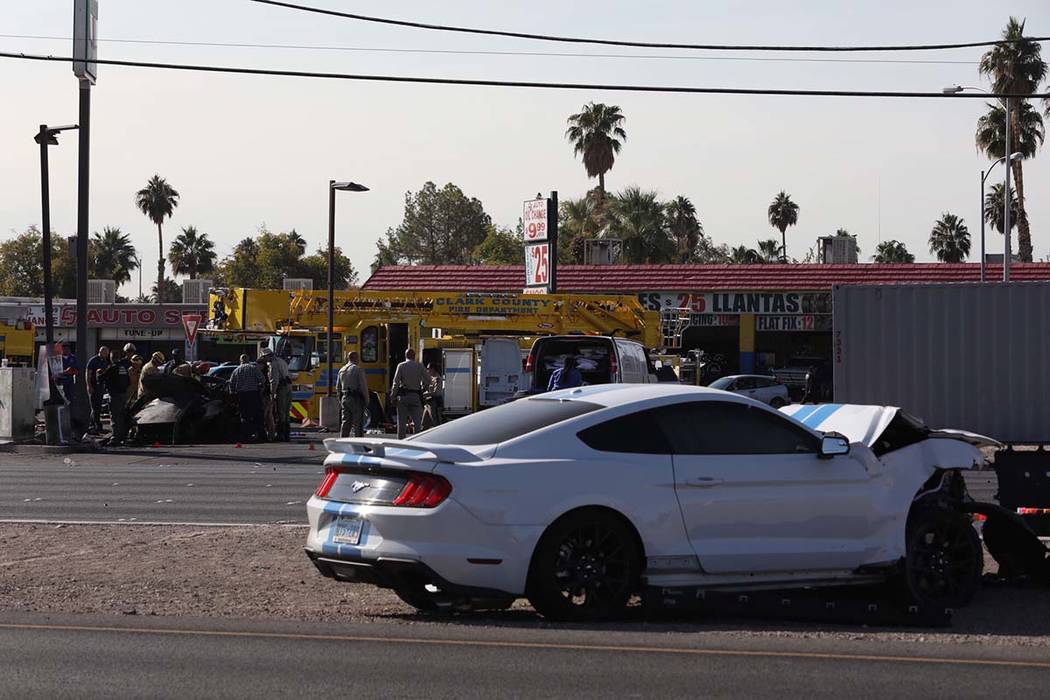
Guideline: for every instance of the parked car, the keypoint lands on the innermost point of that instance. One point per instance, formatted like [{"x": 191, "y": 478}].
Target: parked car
[
  {"x": 580, "y": 498},
  {"x": 600, "y": 359},
  {"x": 222, "y": 371},
  {"x": 756, "y": 386}
]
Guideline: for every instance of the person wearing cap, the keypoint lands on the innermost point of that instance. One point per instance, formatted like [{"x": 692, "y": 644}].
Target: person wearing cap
[
  {"x": 175, "y": 361},
  {"x": 150, "y": 371},
  {"x": 97, "y": 364},
  {"x": 280, "y": 393},
  {"x": 115, "y": 379}
]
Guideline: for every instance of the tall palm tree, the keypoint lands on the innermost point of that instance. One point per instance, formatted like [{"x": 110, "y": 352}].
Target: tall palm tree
[
  {"x": 782, "y": 213},
  {"x": 950, "y": 239},
  {"x": 637, "y": 218},
  {"x": 685, "y": 227},
  {"x": 157, "y": 200},
  {"x": 892, "y": 252},
  {"x": 192, "y": 253},
  {"x": 1026, "y": 136},
  {"x": 298, "y": 240},
  {"x": 111, "y": 255},
  {"x": 596, "y": 132},
  {"x": 993, "y": 208},
  {"x": 1015, "y": 68}
]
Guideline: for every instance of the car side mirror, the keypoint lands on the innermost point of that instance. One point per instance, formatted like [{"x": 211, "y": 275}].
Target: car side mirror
[{"x": 833, "y": 444}]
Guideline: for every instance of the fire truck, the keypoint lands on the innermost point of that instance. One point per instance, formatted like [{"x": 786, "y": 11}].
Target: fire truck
[
  {"x": 471, "y": 336},
  {"x": 16, "y": 343}
]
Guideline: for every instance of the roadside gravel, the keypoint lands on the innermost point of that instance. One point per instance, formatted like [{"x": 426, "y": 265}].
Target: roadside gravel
[{"x": 262, "y": 573}]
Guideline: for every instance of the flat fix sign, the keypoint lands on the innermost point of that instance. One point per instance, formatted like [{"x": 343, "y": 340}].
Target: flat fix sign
[
  {"x": 190, "y": 323},
  {"x": 535, "y": 220}
]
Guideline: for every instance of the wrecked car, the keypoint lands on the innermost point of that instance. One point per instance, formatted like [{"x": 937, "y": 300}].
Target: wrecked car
[
  {"x": 581, "y": 498},
  {"x": 177, "y": 409}
]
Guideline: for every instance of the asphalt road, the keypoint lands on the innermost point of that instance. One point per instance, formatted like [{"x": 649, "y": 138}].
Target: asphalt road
[
  {"x": 213, "y": 484},
  {"x": 77, "y": 656}
]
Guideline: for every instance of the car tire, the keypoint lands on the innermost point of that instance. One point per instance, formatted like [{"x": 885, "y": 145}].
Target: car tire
[
  {"x": 944, "y": 559},
  {"x": 585, "y": 567},
  {"x": 777, "y": 402}
]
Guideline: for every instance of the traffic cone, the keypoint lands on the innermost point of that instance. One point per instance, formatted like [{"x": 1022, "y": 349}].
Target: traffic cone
[
  {"x": 236, "y": 444},
  {"x": 156, "y": 444},
  {"x": 311, "y": 448}
]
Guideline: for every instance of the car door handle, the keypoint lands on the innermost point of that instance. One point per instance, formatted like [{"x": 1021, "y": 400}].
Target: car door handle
[{"x": 703, "y": 482}]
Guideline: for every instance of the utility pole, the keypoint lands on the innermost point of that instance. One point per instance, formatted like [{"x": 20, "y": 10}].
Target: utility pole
[
  {"x": 1007, "y": 198},
  {"x": 552, "y": 237},
  {"x": 85, "y": 51}
]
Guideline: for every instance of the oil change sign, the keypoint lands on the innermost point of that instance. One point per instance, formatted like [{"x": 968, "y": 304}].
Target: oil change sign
[{"x": 762, "y": 303}]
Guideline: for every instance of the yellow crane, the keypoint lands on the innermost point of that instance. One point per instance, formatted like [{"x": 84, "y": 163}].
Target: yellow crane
[{"x": 380, "y": 326}]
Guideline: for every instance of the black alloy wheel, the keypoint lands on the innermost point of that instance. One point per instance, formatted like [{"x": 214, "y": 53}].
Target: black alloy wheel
[
  {"x": 944, "y": 560},
  {"x": 585, "y": 568}
]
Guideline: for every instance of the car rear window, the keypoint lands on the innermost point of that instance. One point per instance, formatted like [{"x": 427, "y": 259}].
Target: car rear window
[
  {"x": 505, "y": 422},
  {"x": 592, "y": 359},
  {"x": 722, "y": 383}
]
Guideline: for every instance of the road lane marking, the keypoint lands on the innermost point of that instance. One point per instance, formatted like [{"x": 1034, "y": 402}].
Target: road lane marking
[
  {"x": 550, "y": 646},
  {"x": 30, "y": 521}
]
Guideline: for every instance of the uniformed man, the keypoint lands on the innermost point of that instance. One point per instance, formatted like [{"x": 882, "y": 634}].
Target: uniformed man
[
  {"x": 353, "y": 396},
  {"x": 410, "y": 378},
  {"x": 280, "y": 393}
]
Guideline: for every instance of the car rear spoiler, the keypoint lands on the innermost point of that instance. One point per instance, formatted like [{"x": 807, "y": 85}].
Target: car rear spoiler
[{"x": 378, "y": 447}]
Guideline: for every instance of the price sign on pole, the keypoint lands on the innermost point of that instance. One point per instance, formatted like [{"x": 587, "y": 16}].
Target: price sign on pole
[
  {"x": 537, "y": 265},
  {"x": 535, "y": 220}
]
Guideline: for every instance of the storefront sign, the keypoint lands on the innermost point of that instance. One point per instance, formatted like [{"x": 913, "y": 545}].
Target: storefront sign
[
  {"x": 139, "y": 334},
  {"x": 807, "y": 322},
  {"x": 712, "y": 320},
  {"x": 762, "y": 303},
  {"x": 128, "y": 315}
]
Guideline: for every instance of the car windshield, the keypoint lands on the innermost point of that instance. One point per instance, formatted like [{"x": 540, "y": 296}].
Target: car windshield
[
  {"x": 592, "y": 359},
  {"x": 723, "y": 383},
  {"x": 502, "y": 423}
]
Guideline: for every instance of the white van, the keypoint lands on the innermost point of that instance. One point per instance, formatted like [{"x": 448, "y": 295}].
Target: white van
[{"x": 600, "y": 359}]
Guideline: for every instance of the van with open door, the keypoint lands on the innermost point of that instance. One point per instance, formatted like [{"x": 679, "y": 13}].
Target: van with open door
[{"x": 600, "y": 359}]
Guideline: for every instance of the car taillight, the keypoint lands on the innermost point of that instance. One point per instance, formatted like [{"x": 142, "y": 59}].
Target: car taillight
[
  {"x": 530, "y": 361},
  {"x": 423, "y": 491},
  {"x": 330, "y": 475}
]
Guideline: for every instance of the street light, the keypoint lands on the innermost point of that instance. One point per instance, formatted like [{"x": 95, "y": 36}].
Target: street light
[
  {"x": 48, "y": 136},
  {"x": 984, "y": 176},
  {"x": 332, "y": 187},
  {"x": 1007, "y": 102}
]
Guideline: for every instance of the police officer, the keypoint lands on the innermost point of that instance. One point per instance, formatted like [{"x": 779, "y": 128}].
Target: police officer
[
  {"x": 116, "y": 381},
  {"x": 353, "y": 396},
  {"x": 410, "y": 378},
  {"x": 280, "y": 393}
]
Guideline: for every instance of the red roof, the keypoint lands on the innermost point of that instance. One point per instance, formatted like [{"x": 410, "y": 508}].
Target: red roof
[{"x": 642, "y": 278}]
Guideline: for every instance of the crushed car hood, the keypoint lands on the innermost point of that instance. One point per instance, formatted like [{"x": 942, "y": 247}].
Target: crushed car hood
[{"x": 882, "y": 428}]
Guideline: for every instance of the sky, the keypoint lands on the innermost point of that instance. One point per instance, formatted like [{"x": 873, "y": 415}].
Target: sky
[{"x": 249, "y": 151}]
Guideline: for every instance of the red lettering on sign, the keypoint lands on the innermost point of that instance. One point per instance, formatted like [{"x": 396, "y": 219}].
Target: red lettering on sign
[
  {"x": 172, "y": 317},
  {"x": 147, "y": 316}
]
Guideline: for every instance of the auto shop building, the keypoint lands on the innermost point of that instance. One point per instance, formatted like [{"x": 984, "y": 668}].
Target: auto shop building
[{"x": 757, "y": 316}]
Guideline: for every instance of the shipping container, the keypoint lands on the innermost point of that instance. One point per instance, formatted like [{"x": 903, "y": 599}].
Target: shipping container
[{"x": 969, "y": 356}]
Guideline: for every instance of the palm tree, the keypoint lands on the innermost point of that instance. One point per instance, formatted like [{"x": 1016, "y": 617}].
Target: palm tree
[
  {"x": 597, "y": 133},
  {"x": 769, "y": 251},
  {"x": 192, "y": 253},
  {"x": 685, "y": 228},
  {"x": 1026, "y": 136},
  {"x": 1015, "y": 68},
  {"x": 950, "y": 239},
  {"x": 157, "y": 200},
  {"x": 742, "y": 255},
  {"x": 892, "y": 252},
  {"x": 298, "y": 240},
  {"x": 993, "y": 207},
  {"x": 783, "y": 213},
  {"x": 637, "y": 218},
  {"x": 111, "y": 256},
  {"x": 577, "y": 222}
]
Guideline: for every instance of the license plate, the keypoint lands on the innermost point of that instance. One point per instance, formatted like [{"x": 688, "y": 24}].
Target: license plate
[{"x": 347, "y": 530}]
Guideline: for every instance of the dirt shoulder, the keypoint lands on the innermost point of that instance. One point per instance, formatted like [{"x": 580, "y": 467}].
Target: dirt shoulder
[{"x": 262, "y": 573}]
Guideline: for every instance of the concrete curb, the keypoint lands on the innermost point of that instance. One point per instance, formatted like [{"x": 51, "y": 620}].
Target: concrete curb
[{"x": 37, "y": 449}]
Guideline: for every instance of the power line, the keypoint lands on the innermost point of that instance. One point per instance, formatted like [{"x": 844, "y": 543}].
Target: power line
[
  {"x": 465, "y": 52},
  {"x": 616, "y": 42},
  {"x": 523, "y": 83}
]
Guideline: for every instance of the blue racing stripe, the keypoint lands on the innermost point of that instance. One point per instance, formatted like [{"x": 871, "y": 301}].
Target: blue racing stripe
[
  {"x": 821, "y": 414},
  {"x": 801, "y": 414}
]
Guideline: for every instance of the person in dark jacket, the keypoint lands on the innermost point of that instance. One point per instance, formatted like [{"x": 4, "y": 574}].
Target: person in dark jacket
[
  {"x": 95, "y": 366},
  {"x": 116, "y": 380}
]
